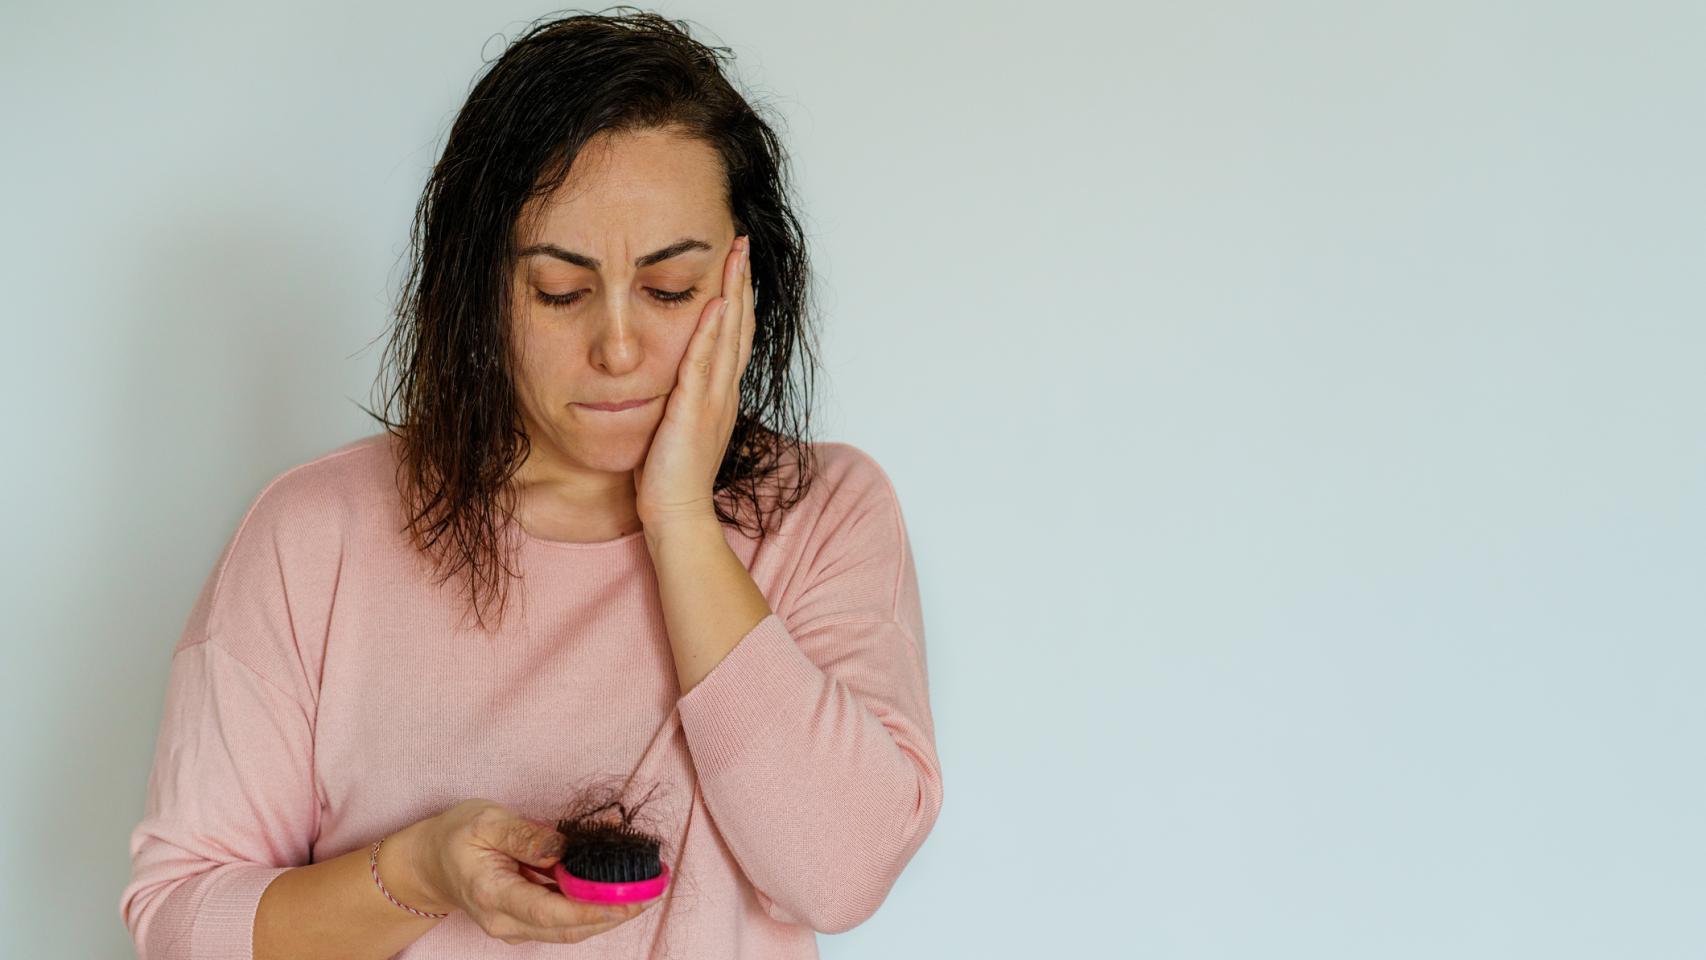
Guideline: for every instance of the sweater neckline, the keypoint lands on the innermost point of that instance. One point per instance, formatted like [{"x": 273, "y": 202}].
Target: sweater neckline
[{"x": 577, "y": 546}]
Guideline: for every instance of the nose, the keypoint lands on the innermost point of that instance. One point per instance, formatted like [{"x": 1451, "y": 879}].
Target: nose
[{"x": 615, "y": 343}]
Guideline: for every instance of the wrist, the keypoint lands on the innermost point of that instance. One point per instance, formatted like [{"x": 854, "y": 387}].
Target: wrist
[
  {"x": 682, "y": 528},
  {"x": 409, "y": 870}
]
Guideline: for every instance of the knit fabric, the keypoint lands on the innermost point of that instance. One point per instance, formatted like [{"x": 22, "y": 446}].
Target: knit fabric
[{"x": 326, "y": 692}]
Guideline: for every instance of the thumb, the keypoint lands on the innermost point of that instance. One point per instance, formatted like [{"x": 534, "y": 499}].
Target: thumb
[
  {"x": 549, "y": 845},
  {"x": 533, "y": 842}
]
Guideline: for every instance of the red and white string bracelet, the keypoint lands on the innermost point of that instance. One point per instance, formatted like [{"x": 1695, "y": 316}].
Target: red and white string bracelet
[{"x": 373, "y": 864}]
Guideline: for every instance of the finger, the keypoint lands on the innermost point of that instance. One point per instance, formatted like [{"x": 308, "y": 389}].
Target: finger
[
  {"x": 701, "y": 356},
  {"x": 731, "y": 270},
  {"x": 548, "y": 922},
  {"x": 536, "y": 875},
  {"x": 548, "y": 841},
  {"x": 526, "y": 840},
  {"x": 718, "y": 370},
  {"x": 729, "y": 334},
  {"x": 749, "y": 318},
  {"x": 543, "y": 914}
]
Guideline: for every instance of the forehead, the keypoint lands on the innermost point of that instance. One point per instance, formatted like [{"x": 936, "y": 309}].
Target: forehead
[{"x": 632, "y": 183}]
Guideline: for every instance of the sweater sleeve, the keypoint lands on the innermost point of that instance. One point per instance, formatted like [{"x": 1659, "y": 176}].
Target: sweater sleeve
[
  {"x": 812, "y": 738},
  {"x": 230, "y": 801},
  {"x": 228, "y": 808}
]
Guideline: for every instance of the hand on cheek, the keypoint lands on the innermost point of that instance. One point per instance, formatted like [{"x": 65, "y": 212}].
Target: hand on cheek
[{"x": 677, "y": 479}]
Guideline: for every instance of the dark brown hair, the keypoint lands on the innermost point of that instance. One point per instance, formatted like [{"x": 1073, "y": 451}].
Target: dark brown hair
[{"x": 452, "y": 407}]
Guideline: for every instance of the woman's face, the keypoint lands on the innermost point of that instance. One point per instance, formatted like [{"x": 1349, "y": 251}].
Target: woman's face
[{"x": 632, "y": 247}]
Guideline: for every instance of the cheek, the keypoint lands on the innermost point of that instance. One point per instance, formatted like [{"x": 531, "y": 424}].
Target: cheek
[{"x": 542, "y": 362}]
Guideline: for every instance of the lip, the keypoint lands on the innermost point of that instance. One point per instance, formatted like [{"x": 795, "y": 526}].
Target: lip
[{"x": 615, "y": 407}]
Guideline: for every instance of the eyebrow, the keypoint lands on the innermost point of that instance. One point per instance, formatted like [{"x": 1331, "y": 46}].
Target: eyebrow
[{"x": 681, "y": 246}]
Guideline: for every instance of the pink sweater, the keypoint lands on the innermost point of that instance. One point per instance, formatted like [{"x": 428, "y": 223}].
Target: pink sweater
[{"x": 325, "y": 693}]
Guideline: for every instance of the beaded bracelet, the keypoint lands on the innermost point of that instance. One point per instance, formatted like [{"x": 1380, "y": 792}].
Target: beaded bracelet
[{"x": 373, "y": 864}]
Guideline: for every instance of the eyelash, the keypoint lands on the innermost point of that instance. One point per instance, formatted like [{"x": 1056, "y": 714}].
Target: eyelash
[{"x": 666, "y": 297}]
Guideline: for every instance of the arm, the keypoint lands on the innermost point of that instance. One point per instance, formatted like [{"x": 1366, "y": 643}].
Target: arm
[
  {"x": 220, "y": 859},
  {"x": 333, "y": 911},
  {"x": 810, "y": 731}
]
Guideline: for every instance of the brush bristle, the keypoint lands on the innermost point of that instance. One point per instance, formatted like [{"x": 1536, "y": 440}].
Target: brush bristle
[{"x": 606, "y": 852}]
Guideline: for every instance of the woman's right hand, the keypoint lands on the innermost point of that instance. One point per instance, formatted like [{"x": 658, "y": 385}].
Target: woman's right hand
[{"x": 469, "y": 858}]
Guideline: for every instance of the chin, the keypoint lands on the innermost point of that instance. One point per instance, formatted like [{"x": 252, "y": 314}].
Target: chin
[{"x": 614, "y": 450}]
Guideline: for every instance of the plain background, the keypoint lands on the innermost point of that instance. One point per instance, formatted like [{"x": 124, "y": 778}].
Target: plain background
[{"x": 1296, "y": 409}]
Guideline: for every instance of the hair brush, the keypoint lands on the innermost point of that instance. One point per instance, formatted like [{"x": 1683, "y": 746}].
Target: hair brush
[{"x": 607, "y": 861}]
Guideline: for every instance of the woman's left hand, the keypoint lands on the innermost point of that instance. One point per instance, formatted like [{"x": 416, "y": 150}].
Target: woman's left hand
[{"x": 679, "y": 475}]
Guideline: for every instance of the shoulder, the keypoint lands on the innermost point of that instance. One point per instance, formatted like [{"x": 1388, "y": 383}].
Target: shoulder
[
  {"x": 283, "y": 555},
  {"x": 336, "y": 484},
  {"x": 324, "y": 500},
  {"x": 840, "y": 462},
  {"x": 851, "y": 497},
  {"x": 844, "y": 547}
]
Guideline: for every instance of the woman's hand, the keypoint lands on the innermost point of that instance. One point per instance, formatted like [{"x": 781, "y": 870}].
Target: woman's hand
[
  {"x": 680, "y": 470},
  {"x": 471, "y": 857}
]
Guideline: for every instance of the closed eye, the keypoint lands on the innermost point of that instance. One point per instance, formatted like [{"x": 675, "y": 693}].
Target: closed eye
[{"x": 665, "y": 297}]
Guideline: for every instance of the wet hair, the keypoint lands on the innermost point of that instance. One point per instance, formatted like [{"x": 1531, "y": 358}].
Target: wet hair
[{"x": 451, "y": 404}]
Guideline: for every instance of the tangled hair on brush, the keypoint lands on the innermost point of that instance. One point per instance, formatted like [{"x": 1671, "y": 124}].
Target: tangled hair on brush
[
  {"x": 583, "y": 823},
  {"x": 598, "y": 816},
  {"x": 451, "y": 402}
]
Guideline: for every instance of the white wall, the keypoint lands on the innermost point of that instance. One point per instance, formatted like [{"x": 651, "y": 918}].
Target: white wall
[{"x": 1297, "y": 411}]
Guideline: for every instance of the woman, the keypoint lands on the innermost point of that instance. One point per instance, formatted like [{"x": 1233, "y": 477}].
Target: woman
[{"x": 420, "y": 648}]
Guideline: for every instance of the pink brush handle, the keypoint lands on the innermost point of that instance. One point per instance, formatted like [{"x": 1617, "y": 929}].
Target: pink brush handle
[{"x": 594, "y": 892}]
